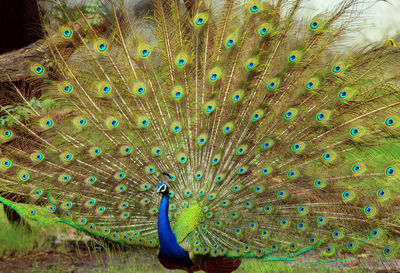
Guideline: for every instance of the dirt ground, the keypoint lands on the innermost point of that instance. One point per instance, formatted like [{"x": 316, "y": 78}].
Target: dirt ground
[{"x": 80, "y": 261}]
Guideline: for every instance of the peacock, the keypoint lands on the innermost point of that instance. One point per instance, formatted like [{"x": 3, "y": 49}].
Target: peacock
[{"x": 212, "y": 132}]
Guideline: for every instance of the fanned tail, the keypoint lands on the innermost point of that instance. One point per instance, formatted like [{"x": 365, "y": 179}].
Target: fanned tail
[{"x": 288, "y": 143}]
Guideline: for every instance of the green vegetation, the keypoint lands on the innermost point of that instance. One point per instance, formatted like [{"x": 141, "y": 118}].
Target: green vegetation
[{"x": 15, "y": 240}]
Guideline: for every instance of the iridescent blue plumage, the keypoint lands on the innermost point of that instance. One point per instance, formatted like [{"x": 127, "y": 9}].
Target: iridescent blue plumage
[{"x": 169, "y": 247}]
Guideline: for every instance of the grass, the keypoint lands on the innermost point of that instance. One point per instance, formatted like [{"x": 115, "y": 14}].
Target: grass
[
  {"x": 18, "y": 245},
  {"x": 15, "y": 240}
]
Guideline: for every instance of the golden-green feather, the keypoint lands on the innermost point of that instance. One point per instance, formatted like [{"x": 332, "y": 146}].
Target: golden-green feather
[{"x": 279, "y": 142}]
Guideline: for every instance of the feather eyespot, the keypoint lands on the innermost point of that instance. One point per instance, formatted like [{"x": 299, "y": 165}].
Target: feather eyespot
[
  {"x": 67, "y": 88},
  {"x": 181, "y": 60},
  {"x": 66, "y": 157},
  {"x": 370, "y": 211},
  {"x": 389, "y": 122},
  {"x": 294, "y": 56},
  {"x": 267, "y": 144},
  {"x": 216, "y": 159},
  {"x": 230, "y": 40},
  {"x": 106, "y": 89},
  {"x": 181, "y": 158},
  {"x": 257, "y": 115},
  {"x": 314, "y": 24},
  {"x": 354, "y": 131},
  {"x": 320, "y": 183},
  {"x": 7, "y": 133},
  {"x": 67, "y": 33},
  {"x": 264, "y": 29},
  {"x": 242, "y": 170},
  {"x": 346, "y": 94},
  {"x": 312, "y": 84},
  {"x": 6, "y": 163},
  {"x": 101, "y": 46},
  {"x": 273, "y": 84},
  {"x": 177, "y": 93},
  {"x": 350, "y": 245},
  {"x": 198, "y": 175},
  {"x": 329, "y": 249},
  {"x": 326, "y": 156},
  {"x": 339, "y": 68},
  {"x": 254, "y": 7},
  {"x": 145, "y": 52},
  {"x": 37, "y": 69},
  {"x": 23, "y": 175},
  {"x": 209, "y": 107},
  {"x": 200, "y": 19},
  {"x": 219, "y": 178},
  {"x": 389, "y": 171},
  {"x": 251, "y": 64},
  {"x": 214, "y": 75},
  {"x": 291, "y": 173},
  {"x": 387, "y": 251},
  {"x": 176, "y": 127}
]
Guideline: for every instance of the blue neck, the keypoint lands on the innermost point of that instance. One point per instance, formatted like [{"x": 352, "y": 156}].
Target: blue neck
[{"x": 169, "y": 247}]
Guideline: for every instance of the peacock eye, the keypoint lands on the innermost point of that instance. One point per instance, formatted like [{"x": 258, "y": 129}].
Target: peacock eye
[
  {"x": 254, "y": 8},
  {"x": 102, "y": 46}
]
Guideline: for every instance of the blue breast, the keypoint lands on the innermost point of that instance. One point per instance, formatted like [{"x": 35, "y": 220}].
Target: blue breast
[{"x": 169, "y": 247}]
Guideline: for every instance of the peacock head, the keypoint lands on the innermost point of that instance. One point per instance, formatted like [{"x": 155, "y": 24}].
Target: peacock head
[{"x": 163, "y": 188}]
